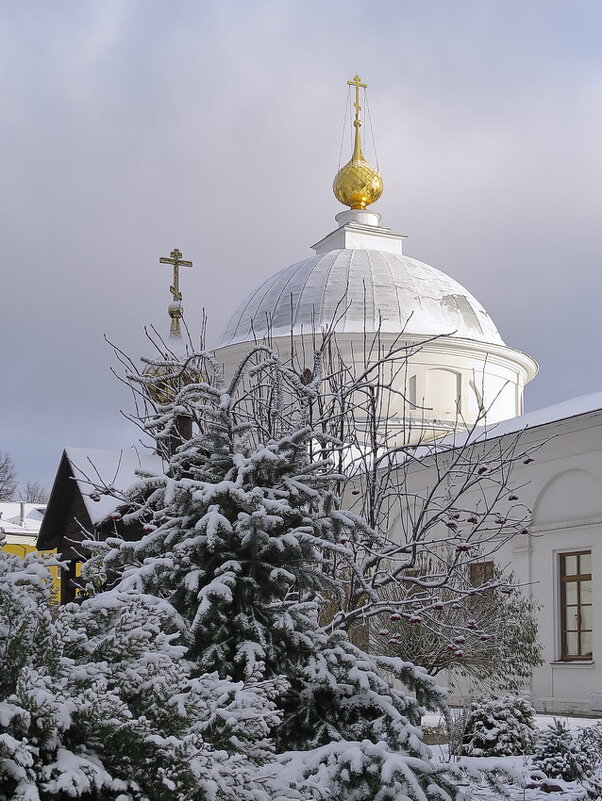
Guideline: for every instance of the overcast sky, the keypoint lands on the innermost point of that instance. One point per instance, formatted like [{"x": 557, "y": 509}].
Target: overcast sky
[{"x": 130, "y": 127}]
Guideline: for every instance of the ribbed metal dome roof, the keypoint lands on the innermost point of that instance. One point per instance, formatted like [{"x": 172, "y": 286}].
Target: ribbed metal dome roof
[{"x": 360, "y": 290}]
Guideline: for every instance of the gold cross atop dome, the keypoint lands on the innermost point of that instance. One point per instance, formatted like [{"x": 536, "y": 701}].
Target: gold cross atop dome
[
  {"x": 175, "y": 309},
  {"x": 358, "y": 183},
  {"x": 357, "y": 82}
]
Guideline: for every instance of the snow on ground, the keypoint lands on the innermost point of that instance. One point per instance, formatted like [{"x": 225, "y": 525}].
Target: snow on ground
[
  {"x": 571, "y": 791},
  {"x": 541, "y": 721}
]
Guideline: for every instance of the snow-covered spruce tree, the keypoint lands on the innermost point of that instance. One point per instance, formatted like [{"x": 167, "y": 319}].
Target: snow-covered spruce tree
[
  {"x": 503, "y": 726},
  {"x": 242, "y": 530},
  {"x": 97, "y": 702},
  {"x": 163, "y": 732},
  {"x": 561, "y": 754}
]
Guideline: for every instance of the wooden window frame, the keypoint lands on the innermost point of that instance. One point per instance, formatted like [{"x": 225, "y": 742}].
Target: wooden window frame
[
  {"x": 480, "y": 573},
  {"x": 576, "y": 578}
]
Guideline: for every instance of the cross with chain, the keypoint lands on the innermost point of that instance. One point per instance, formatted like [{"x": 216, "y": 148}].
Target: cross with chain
[
  {"x": 175, "y": 259},
  {"x": 357, "y": 82}
]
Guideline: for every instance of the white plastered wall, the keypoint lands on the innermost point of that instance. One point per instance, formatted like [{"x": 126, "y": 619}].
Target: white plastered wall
[
  {"x": 449, "y": 379},
  {"x": 563, "y": 487}
]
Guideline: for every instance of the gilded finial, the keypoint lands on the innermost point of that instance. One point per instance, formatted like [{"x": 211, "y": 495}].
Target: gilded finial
[
  {"x": 357, "y": 184},
  {"x": 175, "y": 309},
  {"x": 166, "y": 380}
]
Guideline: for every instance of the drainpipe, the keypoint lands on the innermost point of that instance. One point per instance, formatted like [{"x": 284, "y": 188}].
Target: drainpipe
[{"x": 22, "y": 514}]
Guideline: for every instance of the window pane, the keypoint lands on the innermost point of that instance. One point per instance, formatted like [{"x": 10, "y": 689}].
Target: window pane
[
  {"x": 585, "y": 563},
  {"x": 586, "y": 643},
  {"x": 586, "y": 592},
  {"x": 586, "y": 617},
  {"x": 480, "y": 572},
  {"x": 576, "y": 600},
  {"x": 572, "y": 644},
  {"x": 571, "y": 618},
  {"x": 570, "y": 592}
]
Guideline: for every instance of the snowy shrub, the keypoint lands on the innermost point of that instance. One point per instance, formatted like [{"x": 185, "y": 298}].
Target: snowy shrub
[
  {"x": 499, "y": 646},
  {"x": 500, "y": 727},
  {"x": 367, "y": 771},
  {"x": 230, "y": 633},
  {"x": 26, "y": 622},
  {"x": 562, "y": 754},
  {"x": 592, "y": 735},
  {"x": 242, "y": 531},
  {"x": 98, "y": 701},
  {"x": 456, "y": 726}
]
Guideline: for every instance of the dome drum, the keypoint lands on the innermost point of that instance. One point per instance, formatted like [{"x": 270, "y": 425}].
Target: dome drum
[{"x": 446, "y": 381}]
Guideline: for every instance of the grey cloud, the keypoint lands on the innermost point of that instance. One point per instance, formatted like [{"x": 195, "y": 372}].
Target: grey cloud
[{"x": 129, "y": 128}]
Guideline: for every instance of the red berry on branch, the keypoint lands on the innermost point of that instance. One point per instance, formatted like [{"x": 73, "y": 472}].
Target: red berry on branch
[{"x": 395, "y": 616}]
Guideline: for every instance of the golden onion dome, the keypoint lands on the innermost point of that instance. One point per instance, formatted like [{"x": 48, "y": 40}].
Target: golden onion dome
[
  {"x": 164, "y": 382},
  {"x": 357, "y": 184}
]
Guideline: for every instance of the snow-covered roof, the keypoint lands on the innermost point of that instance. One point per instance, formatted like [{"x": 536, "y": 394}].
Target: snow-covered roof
[
  {"x": 360, "y": 289},
  {"x": 574, "y": 407},
  {"x": 21, "y": 518},
  {"x": 115, "y": 470}
]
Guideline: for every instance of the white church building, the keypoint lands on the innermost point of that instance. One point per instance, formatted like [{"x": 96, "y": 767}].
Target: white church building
[{"x": 359, "y": 282}]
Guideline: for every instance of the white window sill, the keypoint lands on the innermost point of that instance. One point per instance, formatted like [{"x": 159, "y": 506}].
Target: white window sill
[{"x": 573, "y": 663}]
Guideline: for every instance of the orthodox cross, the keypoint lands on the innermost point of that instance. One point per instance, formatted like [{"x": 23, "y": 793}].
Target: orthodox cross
[
  {"x": 357, "y": 82},
  {"x": 175, "y": 259}
]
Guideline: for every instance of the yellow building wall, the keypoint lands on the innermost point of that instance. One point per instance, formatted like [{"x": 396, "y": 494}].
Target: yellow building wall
[{"x": 22, "y": 549}]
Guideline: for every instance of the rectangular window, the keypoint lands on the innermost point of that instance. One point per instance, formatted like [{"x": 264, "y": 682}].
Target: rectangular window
[
  {"x": 576, "y": 605},
  {"x": 480, "y": 573}
]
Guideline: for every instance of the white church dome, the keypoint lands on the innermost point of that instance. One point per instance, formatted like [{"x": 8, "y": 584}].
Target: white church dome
[
  {"x": 457, "y": 371},
  {"x": 360, "y": 289}
]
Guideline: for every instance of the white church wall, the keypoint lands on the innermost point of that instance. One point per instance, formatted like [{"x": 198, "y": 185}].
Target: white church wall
[
  {"x": 449, "y": 379},
  {"x": 566, "y": 498},
  {"x": 564, "y": 488}
]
